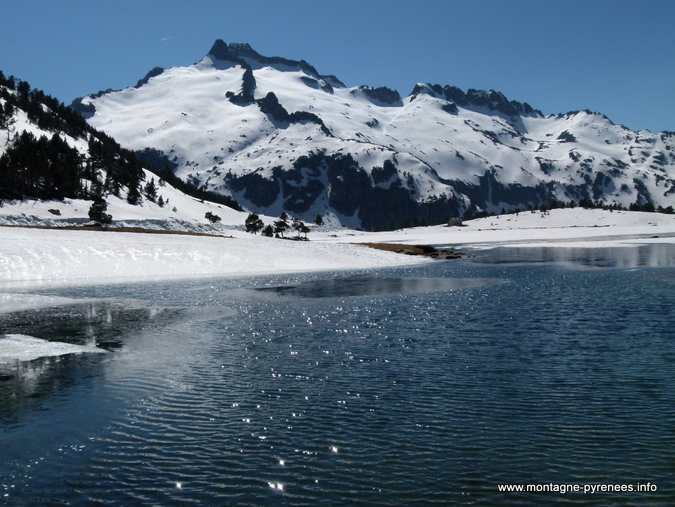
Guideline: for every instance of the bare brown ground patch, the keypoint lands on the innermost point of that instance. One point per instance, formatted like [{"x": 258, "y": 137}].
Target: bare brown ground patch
[
  {"x": 425, "y": 250},
  {"x": 396, "y": 247}
]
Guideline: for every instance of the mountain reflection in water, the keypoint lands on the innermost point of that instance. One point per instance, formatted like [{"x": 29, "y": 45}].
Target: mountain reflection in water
[
  {"x": 659, "y": 255},
  {"x": 368, "y": 285}
]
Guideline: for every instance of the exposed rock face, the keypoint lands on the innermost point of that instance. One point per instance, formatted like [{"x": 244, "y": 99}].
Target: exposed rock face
[
  {"x": 270, "y": 106},
  {"x": 347, "y": 189},
  {"x": 222, "y": 51},
  {"x": 381, "y": 94},
  {"x": 490, "y": 100},
  {"x": 153, "y": 73}
]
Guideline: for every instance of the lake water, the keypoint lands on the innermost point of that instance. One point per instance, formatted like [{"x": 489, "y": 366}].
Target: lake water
[{"x": 425, "y": 385}]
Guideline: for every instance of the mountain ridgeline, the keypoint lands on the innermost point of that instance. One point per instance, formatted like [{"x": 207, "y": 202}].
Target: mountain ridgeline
[{"x": 276, "y": 135}]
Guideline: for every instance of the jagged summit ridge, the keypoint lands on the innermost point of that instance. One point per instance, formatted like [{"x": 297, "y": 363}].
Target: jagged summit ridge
[
  {"x": 278, "y": 136},
  {"x": 489, "y": 99},
  {"x": 243, "y": 53}
]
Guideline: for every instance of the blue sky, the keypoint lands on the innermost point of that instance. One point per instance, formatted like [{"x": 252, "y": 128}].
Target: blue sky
[{"x": 609, "y": 56}]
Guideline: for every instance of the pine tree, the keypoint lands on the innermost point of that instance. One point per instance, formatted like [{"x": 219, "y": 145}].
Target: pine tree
[
  {"x": 300, "y": 227},
  {"x": 151, "y": 190},
  {"x": 281, "y": 225},
  {"x": 97, "y": 211},
  {"x": 133, "y": 195},
  {"x": 211, "y": 217},
  {"x": 7, "y": 119},
  {"x": 253, "y": 223}
]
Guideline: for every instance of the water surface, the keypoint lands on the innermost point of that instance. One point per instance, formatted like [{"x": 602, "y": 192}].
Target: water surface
[{"x": 405, "y": 386}]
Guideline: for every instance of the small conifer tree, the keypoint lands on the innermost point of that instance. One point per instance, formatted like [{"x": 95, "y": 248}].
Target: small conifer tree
[
  {"x": 97, "y": 211},
  {"x": 253, "y": 223},
  {"x": 211, "y": 217}
]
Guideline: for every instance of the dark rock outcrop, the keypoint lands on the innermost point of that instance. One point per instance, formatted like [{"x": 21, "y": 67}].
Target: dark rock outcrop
[
  {"x": 348, "y": 189},
  {"x": 239, "y": 52},
  {"x": 153, "y": 73},
  {"x": 381, "y": 94},
  {"x": 270, "y": 106},
  {"x": 490, "y": 100}
]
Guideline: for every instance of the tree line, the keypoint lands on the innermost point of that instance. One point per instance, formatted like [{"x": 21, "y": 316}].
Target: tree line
[{"x": 162, "y": 166}]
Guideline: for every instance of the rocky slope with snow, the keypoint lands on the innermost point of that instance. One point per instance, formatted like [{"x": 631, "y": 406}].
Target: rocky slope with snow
[{"x": 277, "y": 135}]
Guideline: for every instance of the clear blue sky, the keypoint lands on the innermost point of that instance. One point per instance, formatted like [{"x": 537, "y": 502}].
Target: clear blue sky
[{"x": 610, "y": 56}]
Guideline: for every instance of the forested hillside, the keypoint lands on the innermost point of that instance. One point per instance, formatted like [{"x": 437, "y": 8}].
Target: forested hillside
[{"x": 47, "y": 151}]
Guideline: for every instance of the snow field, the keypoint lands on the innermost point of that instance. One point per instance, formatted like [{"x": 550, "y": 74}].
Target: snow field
[{"x": 35, "y": 256}]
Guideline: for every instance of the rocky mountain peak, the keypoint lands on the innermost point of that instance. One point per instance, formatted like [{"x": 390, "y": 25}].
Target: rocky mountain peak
[
  {"x": 221, "y": 51},
  {"x": 233, "y": 52},
  {"x": 244, "y": 54}
]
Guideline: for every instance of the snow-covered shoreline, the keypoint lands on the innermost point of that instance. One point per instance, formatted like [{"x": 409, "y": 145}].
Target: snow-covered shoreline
[
  {"x": 559, "y": 227},
  {"x": 31, "y": 257}
]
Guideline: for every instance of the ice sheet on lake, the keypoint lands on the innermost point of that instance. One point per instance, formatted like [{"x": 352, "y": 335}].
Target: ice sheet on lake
[
  {"x": 18, "y": 347},
  {"x": 10, "y": 302},
  {"x": 368, "y": 285}
]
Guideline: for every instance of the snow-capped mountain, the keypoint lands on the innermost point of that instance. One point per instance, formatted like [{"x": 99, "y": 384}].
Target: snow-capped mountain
[{"x": 277, "y": 135}]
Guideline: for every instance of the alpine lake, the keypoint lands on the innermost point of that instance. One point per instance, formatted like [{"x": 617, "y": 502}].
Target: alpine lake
[{"x": 439, "y": 384}]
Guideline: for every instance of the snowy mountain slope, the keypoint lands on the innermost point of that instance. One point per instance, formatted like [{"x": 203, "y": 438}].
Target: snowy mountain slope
[
  {"x": 276, "y": 135},
  {"x": 43, "y": 142}
]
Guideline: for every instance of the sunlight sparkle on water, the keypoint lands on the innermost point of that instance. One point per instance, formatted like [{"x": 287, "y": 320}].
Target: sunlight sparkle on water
[{"x": 403, "y": 363}]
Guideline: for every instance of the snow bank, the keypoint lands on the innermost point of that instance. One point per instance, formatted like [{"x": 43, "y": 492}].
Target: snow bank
[
  {"x": 30, "y": 256},
  {"x": 561, "y": 227},
  {"x": 181, "y": 212},
  {"x": 34, "y": 256}
]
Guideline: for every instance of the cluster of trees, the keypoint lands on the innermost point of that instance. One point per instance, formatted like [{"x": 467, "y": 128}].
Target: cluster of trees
[
  {"x": 636, "y": 206},
  {"x": 212, "y": 217},
  {"x": 162, "y": 166},
  {"x": 42, "y": 109},
  {"x": 42, "y": 168},
  {"x": 254, "y": 225}
]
